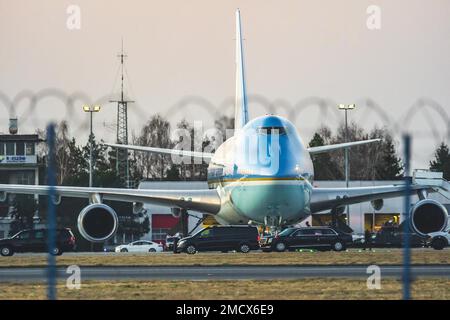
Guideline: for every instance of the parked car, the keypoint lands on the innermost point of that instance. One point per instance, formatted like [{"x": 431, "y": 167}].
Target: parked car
[
  {"x": 322, "y": 238},
  {"x": 140, "y": 246},
  {"x": 392, "y": 236},
  {"x": 221, "y": 238},
  {"x": 439, "y": 240},
  {"x": 36, "y": 241}
]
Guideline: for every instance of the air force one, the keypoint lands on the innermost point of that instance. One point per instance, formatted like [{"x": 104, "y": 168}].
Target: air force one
[{"x": 275, "y": 193}]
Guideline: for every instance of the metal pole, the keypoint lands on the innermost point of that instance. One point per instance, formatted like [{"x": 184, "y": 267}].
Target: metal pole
[
  {"x": 406, "y": 229},
  {"x": 51, "y": 215},
  {"x": 90, "y": 153},
  {"x": 346, "y": 165}
]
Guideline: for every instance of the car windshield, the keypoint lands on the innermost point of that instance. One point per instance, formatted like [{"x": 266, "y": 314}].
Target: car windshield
[
  {"x": 200, "y": 231},
  {"x": 287, "y": 231},
  {"x": 206, "y": 233}
]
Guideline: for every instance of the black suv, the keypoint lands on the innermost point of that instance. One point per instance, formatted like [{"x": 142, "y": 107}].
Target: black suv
[
  {"x": 221, "y": 238},
  {"x": 322, "y": 238},
  {"x": 392, "y": 236},
  {"x": 36, "y": 241}
]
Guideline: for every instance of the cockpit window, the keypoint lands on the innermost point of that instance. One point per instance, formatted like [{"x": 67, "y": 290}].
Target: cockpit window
[{"x": 272, "y": 130}]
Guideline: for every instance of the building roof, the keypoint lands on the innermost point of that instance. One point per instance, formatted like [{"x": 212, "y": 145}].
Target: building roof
[{"x": 20, "y": 137}]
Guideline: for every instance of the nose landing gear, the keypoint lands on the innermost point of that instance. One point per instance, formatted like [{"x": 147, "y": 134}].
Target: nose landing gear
[{"x": 275, "y": 223}]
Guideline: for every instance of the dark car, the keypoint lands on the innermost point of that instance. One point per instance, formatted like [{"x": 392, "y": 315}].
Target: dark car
[
  {"x": 392, "y": 236},
  {"x": 36, "y": 241},
  {"x": 322, "y": 238},
  {"x": 221, "y": 238}
]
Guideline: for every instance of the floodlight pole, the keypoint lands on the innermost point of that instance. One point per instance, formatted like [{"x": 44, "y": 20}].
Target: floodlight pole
[
  {"x": 346, "y": 153},
  {"x": 346, "y": 159},
  {"x": 90, "y": 153},
  {"x": 91, "y": 110}
]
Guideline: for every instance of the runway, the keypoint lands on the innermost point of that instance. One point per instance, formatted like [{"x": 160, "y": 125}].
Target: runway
[{"x": 219, "y": 273}]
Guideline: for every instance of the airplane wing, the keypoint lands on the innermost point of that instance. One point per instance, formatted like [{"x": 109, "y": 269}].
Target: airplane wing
[
  {"x": 181, "y": 153},
  {"x": 328, "y": 198},
  {"x": 331, "y": 147},
  {"x": 207, "y": 201}
]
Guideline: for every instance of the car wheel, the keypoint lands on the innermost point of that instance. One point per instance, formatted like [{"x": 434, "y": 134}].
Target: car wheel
[
  {"x": 438, "y": 244},
  {"x": 124, "y": 250},
  {"x": 56, "y": 251},
  {"x": 280, "y": 247},
  {"x": 338, "y": 246},
  {"x": 6, "y": 251},
  {"x": 191, "y": 249},
  {"x": 152, "y": 250},
  {"x": 244, "y": 248}
]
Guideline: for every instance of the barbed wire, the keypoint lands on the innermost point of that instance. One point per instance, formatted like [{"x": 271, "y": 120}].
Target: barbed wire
[{"x": 425, "y": 119}]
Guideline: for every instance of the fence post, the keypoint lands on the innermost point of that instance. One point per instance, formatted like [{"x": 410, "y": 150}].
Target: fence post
[
  {"x": 406, "y": 224},
  {"x": 51, "y": 214}
]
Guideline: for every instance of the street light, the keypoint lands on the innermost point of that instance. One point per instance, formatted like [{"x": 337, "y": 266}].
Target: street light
[
  {"x": 346, "y": 107},
  {"x": 91, "y": 109}
]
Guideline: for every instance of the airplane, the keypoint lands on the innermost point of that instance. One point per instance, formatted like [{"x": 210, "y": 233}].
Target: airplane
[{"x": 275, "y": 192}]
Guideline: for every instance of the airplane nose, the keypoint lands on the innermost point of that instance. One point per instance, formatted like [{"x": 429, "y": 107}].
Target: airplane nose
[{"x": 272, "y": 202}]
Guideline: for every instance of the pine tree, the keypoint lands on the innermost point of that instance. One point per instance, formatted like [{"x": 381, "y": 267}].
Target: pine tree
[
  {"x": 390, "y": 166},
  {"x": 324, "y": 166},
  {"x": 441, "y": 161}
]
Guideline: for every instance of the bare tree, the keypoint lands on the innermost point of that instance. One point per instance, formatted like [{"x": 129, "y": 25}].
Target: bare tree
[{"x": 155, "y": 133}]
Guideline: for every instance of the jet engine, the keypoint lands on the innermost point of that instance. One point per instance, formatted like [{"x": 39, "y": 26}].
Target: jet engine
[
  {"x": 428, "y": 216},
  {"x": 97, "y": 222}
]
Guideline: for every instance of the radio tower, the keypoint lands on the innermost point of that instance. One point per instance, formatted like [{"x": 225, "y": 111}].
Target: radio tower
[{"x": 122, "y": 165}]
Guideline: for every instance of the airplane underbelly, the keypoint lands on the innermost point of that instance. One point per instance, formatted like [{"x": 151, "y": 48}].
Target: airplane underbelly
[{"x": 283, "y": 201}]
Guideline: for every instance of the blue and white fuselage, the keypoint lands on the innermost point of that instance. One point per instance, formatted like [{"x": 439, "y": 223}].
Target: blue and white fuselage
[{"x": 263, "y": 173}]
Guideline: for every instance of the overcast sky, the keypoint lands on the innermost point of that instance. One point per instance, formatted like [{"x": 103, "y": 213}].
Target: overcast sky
[{"x": 294, "y": 50}]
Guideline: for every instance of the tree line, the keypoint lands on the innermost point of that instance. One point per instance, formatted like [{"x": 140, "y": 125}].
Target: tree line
[{"x": 376, "y": 161}]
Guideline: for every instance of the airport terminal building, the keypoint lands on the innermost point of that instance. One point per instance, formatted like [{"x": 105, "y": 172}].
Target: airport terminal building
[
  {"x": 362, "y": 216},
  {"x": 19, "y": 164}
]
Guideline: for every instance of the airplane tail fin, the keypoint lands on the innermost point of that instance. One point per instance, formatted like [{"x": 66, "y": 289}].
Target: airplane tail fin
[{"x": 240, "y": 111}]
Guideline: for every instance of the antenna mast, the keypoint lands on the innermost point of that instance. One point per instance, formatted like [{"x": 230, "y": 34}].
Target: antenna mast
[{"x": 122, "y": 163}]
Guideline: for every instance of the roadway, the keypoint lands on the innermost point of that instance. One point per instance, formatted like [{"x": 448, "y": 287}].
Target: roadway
[{"x": 219, "y": 273}]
